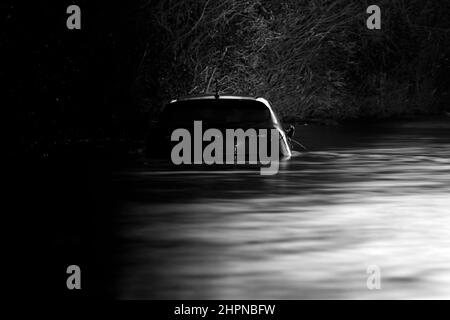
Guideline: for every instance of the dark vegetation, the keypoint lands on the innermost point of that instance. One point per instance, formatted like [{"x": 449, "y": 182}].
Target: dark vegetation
[{"x": 311, "y": 58}]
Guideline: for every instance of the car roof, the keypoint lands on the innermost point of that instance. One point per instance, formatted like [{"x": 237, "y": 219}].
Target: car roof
[{"x": 213, "y": 97}]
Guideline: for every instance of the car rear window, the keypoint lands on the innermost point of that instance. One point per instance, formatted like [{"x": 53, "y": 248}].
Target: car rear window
[{"x": 216, "y": 112}]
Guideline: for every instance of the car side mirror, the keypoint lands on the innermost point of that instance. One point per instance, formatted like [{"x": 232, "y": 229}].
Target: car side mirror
[{"x": 290, "y": 131}]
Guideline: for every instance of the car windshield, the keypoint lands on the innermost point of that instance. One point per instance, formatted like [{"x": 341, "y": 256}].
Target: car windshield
[{"x": 217, "y": 111}]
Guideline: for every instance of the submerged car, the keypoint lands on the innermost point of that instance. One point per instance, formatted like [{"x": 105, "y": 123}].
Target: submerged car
[{"x": 217, "y": 112}]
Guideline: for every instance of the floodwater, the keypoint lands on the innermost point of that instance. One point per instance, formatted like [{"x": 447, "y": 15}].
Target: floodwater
[{"x": 360, "y": 197}]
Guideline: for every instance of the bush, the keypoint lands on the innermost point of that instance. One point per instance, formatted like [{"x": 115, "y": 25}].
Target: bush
[{"x": 311, "y": 58}]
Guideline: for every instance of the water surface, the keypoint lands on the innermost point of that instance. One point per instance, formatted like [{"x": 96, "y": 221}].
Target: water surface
[{"x": 359, "y": 197}]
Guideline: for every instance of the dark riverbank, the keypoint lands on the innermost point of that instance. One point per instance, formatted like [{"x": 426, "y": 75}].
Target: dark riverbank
[{"x": 373, "y": 120}]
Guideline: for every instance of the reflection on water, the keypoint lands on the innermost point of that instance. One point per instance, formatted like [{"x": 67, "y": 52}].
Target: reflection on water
[{"x": 309, "y": 232}]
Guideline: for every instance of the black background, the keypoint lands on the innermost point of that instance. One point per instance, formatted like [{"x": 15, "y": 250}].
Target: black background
[{"x": 60, "y": 83}]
